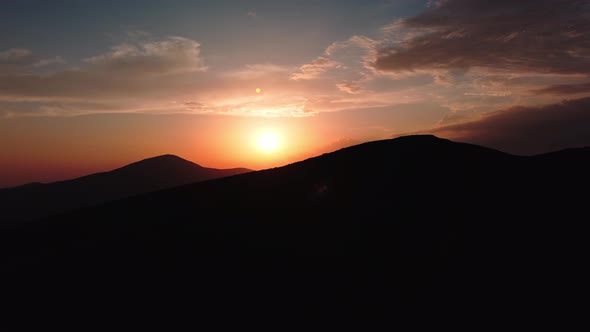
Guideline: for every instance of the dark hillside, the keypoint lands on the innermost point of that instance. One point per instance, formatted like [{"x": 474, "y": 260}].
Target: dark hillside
[{"x": 415, "y": 230}]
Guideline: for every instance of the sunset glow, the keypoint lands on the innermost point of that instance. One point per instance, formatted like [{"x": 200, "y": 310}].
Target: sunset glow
[
  {"x": 113, "y": 89},
  {"x": 268, "y": 142},
  {"x": 337, "y": 163}
]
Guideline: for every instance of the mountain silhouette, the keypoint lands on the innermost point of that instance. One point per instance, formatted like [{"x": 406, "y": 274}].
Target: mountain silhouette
[
  {"x": 36, "y": 200},
  {"x": 415, "y": 230}
]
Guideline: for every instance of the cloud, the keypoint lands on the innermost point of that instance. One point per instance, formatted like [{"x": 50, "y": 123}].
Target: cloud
[
  {"x": 527, "y": 130},
  {"x": 128, "y": 71},
  {"x": 343, "y": 60},
  {"x": 168, "y": 56},
  {"x": 49, "y": 61},
  {"x": 252, "y": 14},
  {"x": 23, "y": 61},
  {"x": 468, "y": 57},
  {"x": 434, "y": 3},
  {"x": 360, "y": 43},
  {"x": 349, "y": 87},
  {"x": 525, "y": 36},
  {"x": 264, "y": 106},
  {"x": 315, "y": 68},
  {"x": 12, "y": 109},
  {"x": 345, "y": 66},
  {"x": 137, "y": 33},
  {"x": 160, "y": 76},
  {"x": 453, "y": 118},
  {"x": 258, "y": 70},
  {"x": 15, "y": 60},
  {"x": 14, "y": 55},
  {"x": 559, "y": 89}
]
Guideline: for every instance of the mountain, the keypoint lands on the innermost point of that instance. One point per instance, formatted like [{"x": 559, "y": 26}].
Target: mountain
[
  {"x": 36, "y": 200},
  {"x": 416, "y": 231},
  {"x": 26, "y": 185}
]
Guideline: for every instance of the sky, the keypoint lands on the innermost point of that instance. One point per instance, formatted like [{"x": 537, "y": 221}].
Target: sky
[{"x": 88, "y": 86}]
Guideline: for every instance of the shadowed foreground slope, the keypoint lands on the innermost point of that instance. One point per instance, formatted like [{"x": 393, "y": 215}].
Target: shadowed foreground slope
[
  {"x": 38, "y": 200},
  {"x": 414, "y": 230}
]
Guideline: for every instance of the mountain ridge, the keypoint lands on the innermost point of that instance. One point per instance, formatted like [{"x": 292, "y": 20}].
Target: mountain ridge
[
  {"x": 383, "y": 233},
  {"x": 151, "y": 174}
]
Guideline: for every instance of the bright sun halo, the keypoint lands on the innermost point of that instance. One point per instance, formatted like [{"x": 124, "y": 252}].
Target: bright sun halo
[{"x": 268, "y": 142}]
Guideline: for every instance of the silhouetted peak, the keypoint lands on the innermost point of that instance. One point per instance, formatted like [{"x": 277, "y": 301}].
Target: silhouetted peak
[
  {"x": 419, "y": 138},
  {"x": 421, "y": 141},
  {"x": 164, "y": 157},
  {"x": 401, "y": 141},
  {"x": 163, "y": 160}
]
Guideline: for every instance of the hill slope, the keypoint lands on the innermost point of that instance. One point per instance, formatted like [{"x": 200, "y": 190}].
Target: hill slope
[
  {"x": 37, "y": 200},
  {"x": 414, "y": 230}
]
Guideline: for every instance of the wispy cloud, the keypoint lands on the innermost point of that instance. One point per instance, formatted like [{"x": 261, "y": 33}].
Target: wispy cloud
[
  {"x": 167, "y": 56},
  {"x": 258, "y": 70},
  {"x": 126, "y": 70},
  {"x": 349, "y": 87},
  {"x": 343, "y": 60},
  {"x": 315, "y": 68},
  {"x": 164, "y": 75},
  {"x": 137, "y": 33},
  {"x": 15, "y": 60},
  {"x": 14, "y": 54},
  {"x": 565, "y": 89},
  {"x": 455, "y": 55},
  {"x": 265, "y": 106},
  {"x": 128, "y": 78},
  {"x": 49, "y": 61}
]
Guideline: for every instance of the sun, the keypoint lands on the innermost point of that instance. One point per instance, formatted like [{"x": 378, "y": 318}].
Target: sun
[
  {"x": 258, "y": 90},
  {"x": 268, "y": 142}
]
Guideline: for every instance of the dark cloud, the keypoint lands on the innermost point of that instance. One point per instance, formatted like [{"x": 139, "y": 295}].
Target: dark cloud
[
  {"x": 527, "y": 130},
  {"x": 535, "y": 36},
  {"x": 564, "y": 89}
]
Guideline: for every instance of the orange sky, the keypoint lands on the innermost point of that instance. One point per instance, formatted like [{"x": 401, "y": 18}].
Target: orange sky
[
  {"x": 61, "y": 148},
  {"x": 129, "y": 80}
]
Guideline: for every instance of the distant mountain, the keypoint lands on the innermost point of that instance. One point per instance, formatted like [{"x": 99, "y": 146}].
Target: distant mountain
[
  {"x": 416, "y": 231},
  {"x": 26, "y": 185},
  {"x": 36, "y": 200}
]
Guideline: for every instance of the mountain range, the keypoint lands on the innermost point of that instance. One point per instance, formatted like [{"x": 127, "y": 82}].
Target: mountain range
[
  {"x": 415, "y": 231},
  {"x": 37, "y": 200}
]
